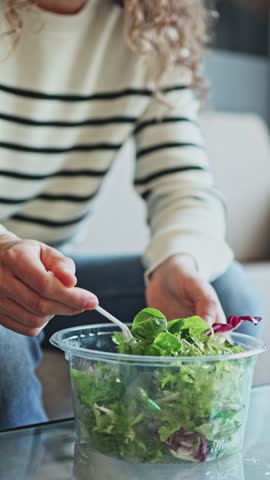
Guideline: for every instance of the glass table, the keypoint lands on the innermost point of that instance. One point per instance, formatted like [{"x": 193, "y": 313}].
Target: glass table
[{"x": 46, "y": 452}]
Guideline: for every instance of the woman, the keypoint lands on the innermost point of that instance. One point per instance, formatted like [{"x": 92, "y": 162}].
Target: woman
[{"x": 73, "y": 88}]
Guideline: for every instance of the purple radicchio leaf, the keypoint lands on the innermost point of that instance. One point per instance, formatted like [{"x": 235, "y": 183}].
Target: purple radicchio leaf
[
  {"x": 233, "y": 322},
  {"x": 188, "y": 445}
]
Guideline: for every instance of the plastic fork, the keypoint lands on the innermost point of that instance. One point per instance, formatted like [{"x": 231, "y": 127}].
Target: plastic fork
[{"x": 125, "y": 330}]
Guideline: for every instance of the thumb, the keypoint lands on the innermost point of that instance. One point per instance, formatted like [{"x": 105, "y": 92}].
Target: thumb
[
  {"x": 204, "y": 298},
  {"x": 61, "y": 266},
  {"x": 206, "y": 308},
  {"x": 209, "y": 308}
]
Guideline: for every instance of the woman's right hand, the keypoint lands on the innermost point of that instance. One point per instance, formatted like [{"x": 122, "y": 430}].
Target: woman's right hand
[{"x": 36, "y": 283}]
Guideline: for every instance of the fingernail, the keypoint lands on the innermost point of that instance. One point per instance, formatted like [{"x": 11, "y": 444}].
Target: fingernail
[
  {"x": 68, "y": 271},
  {"x": 208, "y": 319},
  {"x": 91, "y": 301}
]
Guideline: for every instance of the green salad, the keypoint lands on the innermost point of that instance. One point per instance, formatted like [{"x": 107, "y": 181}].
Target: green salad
[{"x": 178, "y": 410}]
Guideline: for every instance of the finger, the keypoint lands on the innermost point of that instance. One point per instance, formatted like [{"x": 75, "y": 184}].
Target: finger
[
  {"x": 208, "y": 307},
  {"x": 205, "y": 300},
  {"x": 221, "y": 317},
  {"x": 18, "y": 313},
  {"x": 63, "y": 267},
  {"x": 17, "y": 327},
  {"x": 35, "y": 303},
  {"x": 28, "y": 268}
]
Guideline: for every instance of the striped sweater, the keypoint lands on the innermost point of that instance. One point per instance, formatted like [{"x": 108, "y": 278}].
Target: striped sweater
[{"x": 71, "y": 94}]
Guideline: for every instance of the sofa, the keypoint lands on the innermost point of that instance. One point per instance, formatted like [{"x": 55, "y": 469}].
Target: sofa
[{"x": 239, "y": 152}]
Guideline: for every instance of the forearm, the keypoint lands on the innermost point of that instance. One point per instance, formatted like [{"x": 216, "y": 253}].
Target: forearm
[{"x": 193, "y": 224}]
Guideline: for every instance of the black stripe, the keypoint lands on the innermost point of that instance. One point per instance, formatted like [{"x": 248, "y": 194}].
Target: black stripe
[
  {"x": 48, "y": 197},
  {"x": 94, "y": 122},
  {"x": 65, "y": 198},
  {"x": 165, "y": 146},
  {"x": 146, "y": 194},
  {"x": 57, "y": 150},
  {"x": 142, "y": 92},
  {"x": 175, "y": 88},
  {"x": 63, "y": 173},
  {"x": 46, "y": 222},
  {"x": 13, "y": 201},
  {"x": 161, "y": 121},
  {"x": 196, "y": 197},
  {"x": 167, "y": 171}
]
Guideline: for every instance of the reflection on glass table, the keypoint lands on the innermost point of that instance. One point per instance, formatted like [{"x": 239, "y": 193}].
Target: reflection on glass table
[{"x": 47, "y": 452}]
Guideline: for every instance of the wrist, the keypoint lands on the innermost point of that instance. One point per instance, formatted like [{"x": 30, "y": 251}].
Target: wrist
[
  {"x": 8, "y": 237},
  {"x": 183, "y": 261}
]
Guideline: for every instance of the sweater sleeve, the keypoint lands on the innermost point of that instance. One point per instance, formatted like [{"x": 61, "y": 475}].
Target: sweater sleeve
[
  {"x": 186, "y": 213},
  {"x": 3, "y": 230}
]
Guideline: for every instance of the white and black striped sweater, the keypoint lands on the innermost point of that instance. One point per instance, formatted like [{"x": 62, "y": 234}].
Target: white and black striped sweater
[{"x": 71, "y": 94}]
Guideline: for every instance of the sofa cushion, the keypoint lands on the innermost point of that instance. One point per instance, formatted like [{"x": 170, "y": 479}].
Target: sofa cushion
[
  {"x": 260, "y": 275},
  {"x": 239, "y": 153}
]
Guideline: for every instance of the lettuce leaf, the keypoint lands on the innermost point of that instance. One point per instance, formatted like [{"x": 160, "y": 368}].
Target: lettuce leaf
[{"x": 233, "y": 322}]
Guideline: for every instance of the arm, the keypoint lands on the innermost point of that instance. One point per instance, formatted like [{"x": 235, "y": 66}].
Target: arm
[{"x": 185, "y": 211}]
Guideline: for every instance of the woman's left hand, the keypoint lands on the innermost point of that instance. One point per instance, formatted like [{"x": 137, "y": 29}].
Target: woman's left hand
[{"x": 178, "y": 290}]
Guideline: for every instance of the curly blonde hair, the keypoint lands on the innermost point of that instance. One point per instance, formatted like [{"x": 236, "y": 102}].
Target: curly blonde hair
[{"x": 175, "y": 30}]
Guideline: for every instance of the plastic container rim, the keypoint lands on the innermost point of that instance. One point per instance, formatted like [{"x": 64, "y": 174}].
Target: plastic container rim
[{"x": 57, "y": 340}]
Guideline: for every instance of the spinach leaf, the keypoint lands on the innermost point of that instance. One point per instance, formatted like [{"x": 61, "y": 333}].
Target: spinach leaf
[{"x": 148, "y": 324}]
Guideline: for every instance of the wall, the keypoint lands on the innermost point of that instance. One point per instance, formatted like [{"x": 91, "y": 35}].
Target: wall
[{"x": 239, "y": 83}]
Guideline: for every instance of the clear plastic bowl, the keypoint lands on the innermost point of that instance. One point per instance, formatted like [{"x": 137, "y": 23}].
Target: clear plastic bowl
[{"x": 154, "y": 410}]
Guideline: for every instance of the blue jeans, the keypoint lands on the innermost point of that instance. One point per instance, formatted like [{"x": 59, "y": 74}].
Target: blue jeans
[{"x": 119, "y": 284}]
